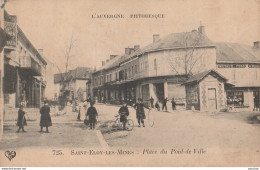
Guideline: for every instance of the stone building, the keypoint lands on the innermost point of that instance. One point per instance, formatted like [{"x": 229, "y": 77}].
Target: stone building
[
  {"x": 24, "y": 68},
  {"x": 73, "y": 84},
  {"x": 156, "y": 70}
]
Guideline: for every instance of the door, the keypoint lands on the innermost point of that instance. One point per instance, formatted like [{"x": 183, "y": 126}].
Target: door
[
  {"x": 256, "y": 99},
  {"x": 212, "y": 103}
]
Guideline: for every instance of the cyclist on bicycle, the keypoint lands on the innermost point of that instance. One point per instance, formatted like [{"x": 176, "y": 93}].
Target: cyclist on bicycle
[{"x": 123, "y": 112}]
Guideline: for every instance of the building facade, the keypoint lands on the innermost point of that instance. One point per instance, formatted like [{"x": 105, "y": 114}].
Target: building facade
[
  {"x": 24, "y": 68},
  {"x": 156, "y": 70},
  {"x": 74, "y": 84},
  {"x": 160, "y": 70},
  {"x": 240, "y": 64}
]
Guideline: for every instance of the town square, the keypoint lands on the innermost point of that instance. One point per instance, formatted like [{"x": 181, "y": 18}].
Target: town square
[{"x": 100, "y": 83}]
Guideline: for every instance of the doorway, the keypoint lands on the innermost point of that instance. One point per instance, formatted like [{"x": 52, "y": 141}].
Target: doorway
[
  {"x": 256, "y": 99},
  {"x": 212, "y": 101}
]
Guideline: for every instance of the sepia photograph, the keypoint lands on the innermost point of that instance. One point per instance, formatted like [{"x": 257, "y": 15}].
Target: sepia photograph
[{"x": 120, "y": 83}]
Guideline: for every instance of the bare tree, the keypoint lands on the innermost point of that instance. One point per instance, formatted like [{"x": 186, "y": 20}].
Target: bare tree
[
  {"x": 68, "y": 50},
  {"x": 188, "y": 55}
]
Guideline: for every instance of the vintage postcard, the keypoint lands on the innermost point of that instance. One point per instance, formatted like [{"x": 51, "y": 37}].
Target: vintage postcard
[{"x": 95, "y": 83}]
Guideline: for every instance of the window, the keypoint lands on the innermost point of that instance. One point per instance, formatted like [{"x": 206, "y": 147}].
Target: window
[
  {"x": 155, "y": 64},
  {"x": 233, "y": 75},
  {"x": 135, "y": 69},
  {"x": 129, "y": 73},
  {"x": 132, "y": 71},
  {"x": 235, "y": 98},
  {"x": 116, "y": 76},
  {"x": 110, "y": 77},
  {"x": 125, "y": 74},
  {"x": 141, "y": 67}
]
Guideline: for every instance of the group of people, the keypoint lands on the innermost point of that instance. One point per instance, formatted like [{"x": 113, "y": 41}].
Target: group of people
[
  {"x": 91, "y": 113},
  {"x": 164, "y": 104},
  {"x": 123, "y": 112},
  {"x": 45, "y": 120}
]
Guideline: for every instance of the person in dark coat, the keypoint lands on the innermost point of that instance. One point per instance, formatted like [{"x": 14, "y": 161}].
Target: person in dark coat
[
  {"x": 151, "y": 101},
  {"x": 92, "y": 115},
  {"x": 140, "y": 115},
  {"x": 164, "y": 106},
  {"x": 21, "y": 121},
  {"x": 45, "y": 117},
  {"x": 173, "y": 104},
  {"x": 157, "y": 106},
  {"x": 123, "y": 112}
]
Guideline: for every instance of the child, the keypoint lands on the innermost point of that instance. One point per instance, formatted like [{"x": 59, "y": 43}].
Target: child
[
  {"x": 123, "y": 112},
  {"x": 21, "y": 121}
]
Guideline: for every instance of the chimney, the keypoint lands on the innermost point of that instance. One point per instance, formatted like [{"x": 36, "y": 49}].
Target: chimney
[
  {"x": 136, "y": 47},
  {"x": 112, "y": 56},
  {"x": 155, "y": 37},
  {"x": 95, "y": 68},
  {"x": 132, "y": 50},
  {"x": 127, "y": 51},
  {"x": 201, "y": 29},
  {"x": 256, "y": 44},
  {"x": 107, "y": 60},
  {"x": 40, "y": 51},
  {"x": 103, "y": 63}
]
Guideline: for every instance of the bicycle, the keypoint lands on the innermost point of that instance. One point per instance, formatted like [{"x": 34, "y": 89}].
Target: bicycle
[{"x": 119, "y": 125}]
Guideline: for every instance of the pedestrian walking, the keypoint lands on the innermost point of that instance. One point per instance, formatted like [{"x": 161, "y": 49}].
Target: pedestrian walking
[
  {"x": 92, "y": 115},
  {"x": 173, "y": 104},
  {"x": 164, "y": 106},
  {"x": 151, "y": 102},
  {"x": 140, "y": 115},
  {"x": 123, "y": 112},
  {"x": 21, "y": 121},
  {"x": 45, "y": 117}
]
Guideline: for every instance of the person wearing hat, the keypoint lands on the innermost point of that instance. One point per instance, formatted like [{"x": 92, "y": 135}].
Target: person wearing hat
[
  {"x": 45, "y": 116},
  {"x": 173, "y": 104},
  {"x": 21, "y": 121},
  {"x": 123, "y": 112},
  {"x": 92, "y": 115},
  {"x": 140, "y": 115}
]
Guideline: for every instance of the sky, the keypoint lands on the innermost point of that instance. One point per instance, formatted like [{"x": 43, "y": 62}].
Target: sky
[{"x": 50, "y": 24}]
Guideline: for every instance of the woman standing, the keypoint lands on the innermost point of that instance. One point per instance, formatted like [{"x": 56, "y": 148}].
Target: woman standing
[
  {"x": 21, "y": 121},
  {"x": 92, "y": 115},
  {"x": 45, "y": 117}
]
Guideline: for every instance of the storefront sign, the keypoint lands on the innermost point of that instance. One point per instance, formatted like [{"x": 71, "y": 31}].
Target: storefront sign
[
  {"x": 10, "y": 29},
  {"x": 231, "y": 65},
  {"x": 253, "y": 65}
]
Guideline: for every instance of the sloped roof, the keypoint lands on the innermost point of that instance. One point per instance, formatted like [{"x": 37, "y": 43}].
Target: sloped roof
[
  {"x": 172, "y": 41},
  {"x": 112, "y": 63},
  {"x": 236, "y": 53},
  {"x": 175, "y": 41},
  {"x": 200, "y": 76},
  {"x": 58, "y": 77},
  {"x": 78, "y": 73}
]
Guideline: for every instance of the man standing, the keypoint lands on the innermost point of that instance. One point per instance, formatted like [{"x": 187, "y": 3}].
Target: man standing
[
  {"x": 164, "y": 106},
  {"x": 21, "y": 121},
  {"x": 45, "y": 117},
  {"x": 151, "y": 101},
  {"x": 139, "y": 107},
  {"x": 173, "y": 104}
]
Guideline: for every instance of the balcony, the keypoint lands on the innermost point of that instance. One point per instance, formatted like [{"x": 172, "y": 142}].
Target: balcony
[{"x": 29, "y": 65}]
